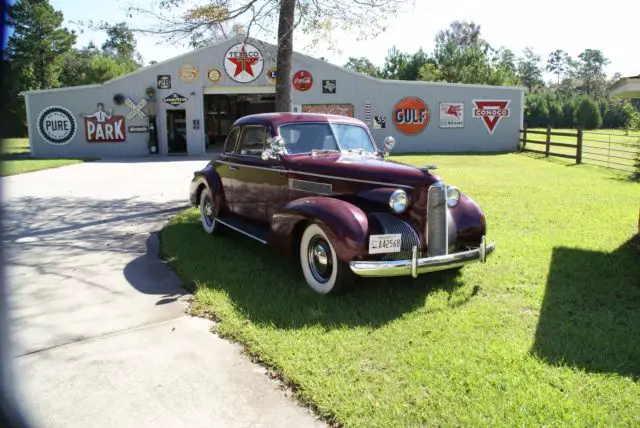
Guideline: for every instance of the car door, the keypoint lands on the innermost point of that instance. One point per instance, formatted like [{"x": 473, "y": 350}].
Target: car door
[
  {"x": 258, "y": 183},
  {"x": 225, "y": 170}
]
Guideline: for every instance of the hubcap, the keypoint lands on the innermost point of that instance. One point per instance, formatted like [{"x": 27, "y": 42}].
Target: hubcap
[
  {"x": 319, "y": 257},
  {"x": 207, "y": 212}
]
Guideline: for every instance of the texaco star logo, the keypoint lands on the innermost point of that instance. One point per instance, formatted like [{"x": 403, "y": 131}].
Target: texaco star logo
[{"x": 243, "y": 63}]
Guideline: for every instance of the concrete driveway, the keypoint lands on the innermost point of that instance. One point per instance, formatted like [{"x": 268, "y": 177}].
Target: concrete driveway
[{"x": 97, "y": 322}]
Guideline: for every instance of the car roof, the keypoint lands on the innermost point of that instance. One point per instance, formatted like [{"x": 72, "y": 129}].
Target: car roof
[{"x": 277, "y": 119}]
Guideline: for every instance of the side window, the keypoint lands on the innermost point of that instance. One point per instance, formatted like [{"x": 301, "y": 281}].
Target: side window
[
  {"x": 230, "y": 144},
  {"x": 253, "y": 140}
]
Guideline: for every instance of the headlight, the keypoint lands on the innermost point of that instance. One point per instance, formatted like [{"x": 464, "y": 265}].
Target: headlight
[
  {"x": 453, "y": 196},
  {"x": 399, "y": 201}
]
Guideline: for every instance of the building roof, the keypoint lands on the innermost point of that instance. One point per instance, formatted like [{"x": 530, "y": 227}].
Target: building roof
[
  {"x": 627, "y": 87},
  {"x": 242, "y": 37}
]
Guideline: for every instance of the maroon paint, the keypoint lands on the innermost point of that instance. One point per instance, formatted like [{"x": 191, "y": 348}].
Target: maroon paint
[{"x": 279, "y": 209}]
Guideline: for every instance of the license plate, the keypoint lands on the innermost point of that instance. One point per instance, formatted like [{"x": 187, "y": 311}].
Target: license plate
[{"x": 379, "y": 244}]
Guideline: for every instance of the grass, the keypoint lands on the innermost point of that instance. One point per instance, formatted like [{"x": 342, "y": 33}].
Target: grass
[
  {"x": 15, "y": 158},
  {"x": 544, "y": 334},
  {"x": 596, "y": 145}
]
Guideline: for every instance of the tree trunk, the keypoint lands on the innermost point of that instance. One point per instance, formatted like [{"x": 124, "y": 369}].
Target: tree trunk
[{"x": 285, "y": 53}]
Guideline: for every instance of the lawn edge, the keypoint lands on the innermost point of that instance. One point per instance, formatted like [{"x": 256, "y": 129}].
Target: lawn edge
[
  {"x": 75, "y": 162},
  {"x": 272, "y": 370}
]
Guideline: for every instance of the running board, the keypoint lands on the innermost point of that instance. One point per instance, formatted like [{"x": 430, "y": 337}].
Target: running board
[{"x": 244, "y": 227}]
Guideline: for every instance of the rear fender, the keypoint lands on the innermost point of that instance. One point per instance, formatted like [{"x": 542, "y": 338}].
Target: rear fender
[{"x": 345, "y": 224}]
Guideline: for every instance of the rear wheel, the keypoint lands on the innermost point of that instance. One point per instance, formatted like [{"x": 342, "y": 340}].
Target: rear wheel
[
  {"x": 208, "y": 213},
  {"x": 322, "y": 269}
]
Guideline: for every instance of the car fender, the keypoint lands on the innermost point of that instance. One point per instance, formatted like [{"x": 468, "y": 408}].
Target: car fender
[
  {"x": 207, "y": 178},
  {"x": 345, "y": 224}
]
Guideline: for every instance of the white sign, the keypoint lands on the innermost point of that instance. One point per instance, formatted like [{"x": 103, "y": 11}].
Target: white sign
[
  {"x": 379, "y": 244},
  {"x": 57, "y": 125},
  {"x": 136, "y": 110},
  {"x": 491, "y": 112},
  {"x": 243, "y": 63},
  {"x": 451, "y": 115}
]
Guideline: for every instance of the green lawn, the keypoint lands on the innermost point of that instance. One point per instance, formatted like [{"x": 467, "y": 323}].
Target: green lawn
[
  {"x": 596, "y": 145},
  {"x": 545, "y": 334},
  {"x": 14, "y": 158}
]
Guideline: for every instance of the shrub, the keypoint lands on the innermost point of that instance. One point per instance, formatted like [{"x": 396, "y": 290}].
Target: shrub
[{"x": 587, "y": 114}]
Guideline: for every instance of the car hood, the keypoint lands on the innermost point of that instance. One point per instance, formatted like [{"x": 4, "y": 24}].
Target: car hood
[{"x": 360, "y": 167}]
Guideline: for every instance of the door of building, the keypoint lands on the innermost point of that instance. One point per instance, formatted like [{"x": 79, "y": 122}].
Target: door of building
[{"x": 177, "y": 131}]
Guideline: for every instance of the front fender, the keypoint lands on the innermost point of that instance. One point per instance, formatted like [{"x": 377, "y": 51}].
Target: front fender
[
  {"x": 207, "y": 178},
  {"x": 345, "y": 224},
  {"x": 469, "y": 221}
]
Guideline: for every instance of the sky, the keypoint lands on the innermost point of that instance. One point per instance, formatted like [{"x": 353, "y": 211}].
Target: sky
[{"x": 544, "y": 25}]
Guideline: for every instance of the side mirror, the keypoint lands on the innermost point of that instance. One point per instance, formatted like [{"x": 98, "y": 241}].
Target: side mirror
[
  {"x": 275, "y": 149},
  {"x": 389, "y": 144}
]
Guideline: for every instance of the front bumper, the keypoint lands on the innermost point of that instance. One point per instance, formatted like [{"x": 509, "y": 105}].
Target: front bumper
[{"x": 416, "y": 266}]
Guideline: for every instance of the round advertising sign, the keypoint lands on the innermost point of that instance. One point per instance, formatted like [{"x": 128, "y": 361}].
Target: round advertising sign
[
  {"x": 302, "y": 80},
  {"x": 243, "y": 63},
  {"x": 57, "y": 125},
  {"x": 410, "y": 115},
  {"x": 214, "y": 75},
  {"x": 272, "y": 74},
  {"x": 189, "y": 72}
]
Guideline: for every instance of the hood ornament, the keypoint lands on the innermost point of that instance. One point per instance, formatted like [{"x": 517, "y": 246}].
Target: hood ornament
[{"x": 429, "y": 167}]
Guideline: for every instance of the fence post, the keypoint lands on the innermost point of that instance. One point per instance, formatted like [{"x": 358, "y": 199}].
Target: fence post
[
  {"x": 579, "y": 147},
  {"x": 548, "y": 146},
  {"x": 524, "y": 137}
]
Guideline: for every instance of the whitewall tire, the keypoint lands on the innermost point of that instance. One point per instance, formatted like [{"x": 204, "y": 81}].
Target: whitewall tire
[
  {"x": 322, "y": 269},
  {"x": 208, "y": 213}
]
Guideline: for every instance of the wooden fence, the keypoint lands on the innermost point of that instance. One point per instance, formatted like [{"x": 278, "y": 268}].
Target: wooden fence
[{"x": 614, "y": 151}]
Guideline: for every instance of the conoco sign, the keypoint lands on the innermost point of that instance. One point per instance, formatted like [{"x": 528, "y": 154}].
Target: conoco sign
[{"x": 410, "y": 115}]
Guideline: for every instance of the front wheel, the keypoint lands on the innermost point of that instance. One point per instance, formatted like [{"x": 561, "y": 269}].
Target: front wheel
[
  {"x": 321, "y": 268},
  {"x": 208, "y": 213}
]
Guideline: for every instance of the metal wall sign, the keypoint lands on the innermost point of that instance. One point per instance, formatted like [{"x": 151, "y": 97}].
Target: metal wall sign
[
  {"x": 136, "y": 109},
  {"x": 138, "y": 129},
  {"x": 103, "y": 127},
  {"x": 451, "y": 115},
  {"x": 163, "y": 81},
  {"x": 57, "y": 125},
  {"x": 175, "y": 99},
  {"x": 243, "y": 62},
  {"x": 196, "y": 123},
  {"x": 329, "y": 86},
  {"x": 491, "y": 112}
]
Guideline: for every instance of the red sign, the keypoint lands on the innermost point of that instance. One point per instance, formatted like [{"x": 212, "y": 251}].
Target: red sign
[
  {"x": 491, "y": 112},
  {"x": 410, "y": 115},
  {"x": 302, "y": 80},
  {"x": 100, "y": 126}
]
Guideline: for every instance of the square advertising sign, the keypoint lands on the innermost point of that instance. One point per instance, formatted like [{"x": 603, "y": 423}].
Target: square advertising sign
[{"x": 451, "y": 115}]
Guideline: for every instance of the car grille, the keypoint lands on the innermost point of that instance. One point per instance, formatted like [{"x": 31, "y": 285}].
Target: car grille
[
  {"x": 437, "y": 224},
  {"x": 392, "y": 224}
]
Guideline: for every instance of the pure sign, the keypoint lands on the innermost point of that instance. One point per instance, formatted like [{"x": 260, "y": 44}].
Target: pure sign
[{"x": 57, "y": 125}]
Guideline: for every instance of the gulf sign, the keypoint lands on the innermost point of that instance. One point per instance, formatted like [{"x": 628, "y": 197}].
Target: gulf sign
[{"x": 410, "y": 115}]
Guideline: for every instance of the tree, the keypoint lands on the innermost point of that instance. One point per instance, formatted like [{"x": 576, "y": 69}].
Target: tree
[
  {"x": 318, "y": 18},
  {"x": 39, "y": 42},
  {"x": 558, "y": 62},
  {"x": 395, "y": 64},
  {"x": 590, "y": 72},
  {"x": 587, "y": 114},
  {"x": 529, "y": 70},
  {"x": 461, "y": 33},
  {"x": 362, "y": 65},
  {"x": 121, "y": 43}
]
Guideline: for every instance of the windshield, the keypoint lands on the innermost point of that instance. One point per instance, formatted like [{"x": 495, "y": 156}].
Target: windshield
[{"x": 306, "y": 137}]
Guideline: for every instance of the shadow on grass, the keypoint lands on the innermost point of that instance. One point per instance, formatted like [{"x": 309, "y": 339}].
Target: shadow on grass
[
  {"x": 269, "y": 289},
  {"x": 590, "y": 313}
]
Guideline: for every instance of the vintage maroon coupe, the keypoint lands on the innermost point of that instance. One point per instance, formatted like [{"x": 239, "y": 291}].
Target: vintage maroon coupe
[{"x": 316, "y": 188}]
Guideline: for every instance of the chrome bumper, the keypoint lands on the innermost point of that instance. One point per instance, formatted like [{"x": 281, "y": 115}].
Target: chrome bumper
[{"x": 417, "y": 266}]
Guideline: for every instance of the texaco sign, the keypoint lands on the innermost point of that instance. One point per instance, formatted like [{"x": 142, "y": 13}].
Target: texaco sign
[
  {"x": 243, "y": 63},
  {"x": 57, "y": 125}
]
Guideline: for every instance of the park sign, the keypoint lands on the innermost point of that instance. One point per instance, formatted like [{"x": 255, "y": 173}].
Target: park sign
[
  {"x": 103, "y": 127},
  {"x": 57, "y": 125}
]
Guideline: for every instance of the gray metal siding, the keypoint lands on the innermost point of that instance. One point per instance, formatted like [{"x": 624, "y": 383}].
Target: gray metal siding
[{"x": 352, "y": 88}]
